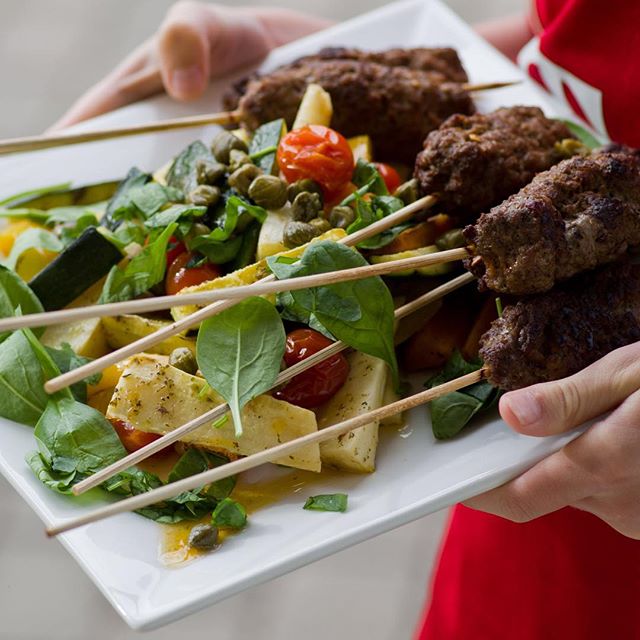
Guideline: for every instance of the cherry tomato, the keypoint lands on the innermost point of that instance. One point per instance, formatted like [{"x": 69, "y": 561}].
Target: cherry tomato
[
  {"x": 316, "y": 152},
  {"x": 315, "y": 386},
  {"x": 132, "y": 438},
  {"x": 180, "y": 276},
  {"x": 174, "y": 249},
  {"x": 389, "y": 175}
]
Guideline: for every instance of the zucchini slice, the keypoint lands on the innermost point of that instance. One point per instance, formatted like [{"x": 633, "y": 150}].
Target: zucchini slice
[
  {"x": 85, "y": 261},
  {"x": 86, "y": 195}
]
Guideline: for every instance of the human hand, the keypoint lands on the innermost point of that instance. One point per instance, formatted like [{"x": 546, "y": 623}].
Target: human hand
[
  {"x": 196, "y": 42},
  {"x": 597, "y": 472}
]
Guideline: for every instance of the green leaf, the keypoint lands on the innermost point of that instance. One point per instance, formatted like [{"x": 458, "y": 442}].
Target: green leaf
[
  {"x": 264, "y": 145},
  {"x": 183, "y": 172},
  {"x": 60, "y": 482},
  {"x": 585, "y": 136},
  {"x": 33, "y": 239},
  {"x": 128, "y": 232},
  {"x": 121, "y": 198},
  {"x": 174, "y": 213},
  {"x": 452, "y": 412},
  {"x": 239, "y": 352},
  {"x": 14, "y": 294},
  {"x": 229, "y": 514},
  {"x": 66, "y": 360},
  {"x": 368, "y": 180},
  {"x": 140, "y": 274},
  {"x": 370, "y": 211},
  {"x": 327, "y": 502},
  {"x": 35, "y": 192},
  {"x": 360, "y": 312},
  {"x": 195, "y": 461}
]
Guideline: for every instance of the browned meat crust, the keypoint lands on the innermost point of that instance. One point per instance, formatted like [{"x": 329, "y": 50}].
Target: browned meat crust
[
  {"x": 582, "y": 213},
  {"x": 553, "y": 335},
  {"x": 474, "y": 162},
  {"x": 396, "y": 106},
  {"x": 441, "y": 60}
]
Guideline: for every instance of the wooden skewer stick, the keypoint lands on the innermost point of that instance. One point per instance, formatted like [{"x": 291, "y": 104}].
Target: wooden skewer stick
[
  {"x": 229, "y": 293},
  {"x": 34, "y": 143},
  {"x": 286, "y": 375},
  {"x": 75, "y": 375},
  {"x": 257, "y": 459}
]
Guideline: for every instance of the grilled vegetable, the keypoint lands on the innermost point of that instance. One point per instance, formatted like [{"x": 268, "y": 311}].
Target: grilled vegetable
[
  {"x": 434, "y": 270},
  {"x": 88, "y": 194},
  {"x": 315, "y": 108}
]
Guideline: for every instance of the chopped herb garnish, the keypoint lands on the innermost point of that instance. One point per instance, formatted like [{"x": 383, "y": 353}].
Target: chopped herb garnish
[{"x": 327, "y": 502}]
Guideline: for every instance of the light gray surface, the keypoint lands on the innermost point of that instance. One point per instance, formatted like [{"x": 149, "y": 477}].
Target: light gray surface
[{"x": 50, "y": 52}]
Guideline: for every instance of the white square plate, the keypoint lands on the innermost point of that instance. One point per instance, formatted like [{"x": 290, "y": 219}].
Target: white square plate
[{"x": 415, "y": 475}]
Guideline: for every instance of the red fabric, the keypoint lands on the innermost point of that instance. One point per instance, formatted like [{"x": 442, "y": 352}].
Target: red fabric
[
  {"x": 599, "y": 43},
  {"x": 566, "y": 576}
]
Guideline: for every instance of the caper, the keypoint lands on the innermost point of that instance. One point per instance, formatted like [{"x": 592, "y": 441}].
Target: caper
[
  {"x": 222, "y": 145},
  {"x": 341, "y": 216},
  {"x": 321, "y": 224},
  {"x": 204, "y": 195},
  {"x": 407, "y": 191},
  {"x": 242, "y": 178},
  {"x": 306, "y": 206},
  {"x": 297, "y": 233},
  {"x": 203, "y": 537},
  {"x": 269, "y": 192},
  {"x": 197, "y": 229},
  {"x": 306, "y": 184},
  {"x": 451, "y": 240},
  {"x": 182, "y": 358},
  {"x": 238, "y": 158},
  {"x": 209, "y": 171}
]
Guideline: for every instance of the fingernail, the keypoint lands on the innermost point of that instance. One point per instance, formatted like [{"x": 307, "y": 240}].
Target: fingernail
[
  {"x": 525, "y": 407},
  {"x": 185, "y": 82}
]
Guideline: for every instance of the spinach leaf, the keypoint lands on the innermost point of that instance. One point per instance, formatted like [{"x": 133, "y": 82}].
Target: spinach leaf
[
  {"x": 143, "y": 272},
  {"x": 586, "y": 137},
  {"x": 360, "y": 313},
  {"x": 66, "y": 359},
  {"x": 33, "y": 239},
  {"x": 15, "y": 294},
  {"x": 196, "y": 460},
  {"x": 174, "y": 213},
  {"x": 229, "y": 514},
  {"x": 368, "y": 180},
  {"x": 327, "y": 502},
  {"x": 22, "y": 394},
  {"x": 70, "y": 231},
  {"x": 453, "y": 411},
  {"x": 135, "y": 178},
  {"x": 264, "y": 145},
  {"x": 239, "y": 352},
  {"x": 247, "y": 251},
  {"x": 128, "y": 232},
  {"x": 142, "y": 202},
  {"x": 370, "y": 211},
  {"x": 183, "y": 172}
]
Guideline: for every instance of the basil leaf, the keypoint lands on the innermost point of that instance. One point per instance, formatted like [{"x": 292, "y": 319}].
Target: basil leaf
[
  {"x": 14, "y": 294},
  {"x": 360, "y": 312},
  {"x": 121, "y": 200},
  {"x": 327, "y": 502},
  {"x": 367, "y": 175},
  {"x": 586, "y": 137},
  {"x": 32, "y": 239},
  {"x": 183, "y": 173},
  {"x": 195, "y": 461},
  {"x": 141, "y": 273},
  {"x": 229, "y": 514},
  {"x": 239, "y": 352},
  {"x": 452, "y": 412},
  {"x": 174, "y": 213},
  {"x": 370, "y": 211}
]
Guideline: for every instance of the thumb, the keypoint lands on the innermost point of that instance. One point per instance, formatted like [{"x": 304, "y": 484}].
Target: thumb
[{"x": 555, "y": 407}]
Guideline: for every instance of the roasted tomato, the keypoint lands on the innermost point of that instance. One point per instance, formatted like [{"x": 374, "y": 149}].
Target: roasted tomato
[
  {"x": 174, "y": 249},
  {"x": 389, "y": 175},
  {"x": 318, "y": 384},
  {"x": 319, "y": 153},
  {"x": 180, "y": 275},
  {"x": 131, "y": 438}
]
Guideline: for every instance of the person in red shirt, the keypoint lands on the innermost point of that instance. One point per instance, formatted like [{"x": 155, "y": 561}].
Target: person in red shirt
[{"x": 554, "y": 553}]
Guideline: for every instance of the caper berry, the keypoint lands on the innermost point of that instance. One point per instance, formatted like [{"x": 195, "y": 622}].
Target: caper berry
[
  {"x": 203, "y": 537},
  {"x": 297, "y": 233},
  {"x": 237, "y": 158},
  {"x": 269, "y": 192},
  {"x": 204, "y": 195},
  {"x": 451, "y": 240},
  {"x": 182, "y": 358},
  {"x": 321, "y": 224},
  {"x": 209, "y": 171},
  {"x": 242, "y": 178},
  {"x": 222, "y": 145},
  {"x": 306, "y": 184},
  {"x": 197, "y": 229},
  {"x": 306, "y": 206},
  {"x": 341, "y": 216},
  {"x": 407, "y": 191}
]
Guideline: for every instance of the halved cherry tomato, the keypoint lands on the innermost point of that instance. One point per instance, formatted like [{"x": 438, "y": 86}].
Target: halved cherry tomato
[
  {"x": 132, "y": 438},
  {"x": 180, "y": 276},
  {"x": 316, "y": 152},
  {"x": 389, "y": 175},
  {"x": 320, "y": 383},
  {"x": 174, "y": 248}
]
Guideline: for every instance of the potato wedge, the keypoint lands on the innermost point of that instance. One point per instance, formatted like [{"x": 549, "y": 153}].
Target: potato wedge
[
  {"x": 155, "y": 397},
  {"x": 315, "y": 108}
]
